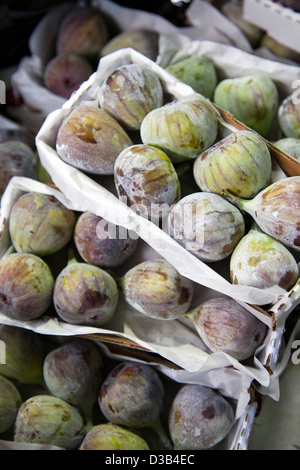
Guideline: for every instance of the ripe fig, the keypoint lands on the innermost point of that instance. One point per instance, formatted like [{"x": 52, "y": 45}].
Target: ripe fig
[
  {"x": 85, "y": 294},
  {"x": 289, "y": 117},
  {"x": 109, "y": 436},
  {"x": 144, "y": 41},
  {"x": 182, "y": 128},
  {"x": 73, "y": 372},
  {"x": 207, "y": 225},
  {"x": 259, "y": 260},
  {"x": 197, "y": 72},
  {"x": 101, "y": 243},
  {"x": 40, "y": 224},
  {"x": 90, "y": 139},
  {"x": 16, "y": 159},
  {"x": 44, "y": 419},
  {"x": 290, "y": 145},
  {"x": 156, "y": 289},
  {"x": 239, "y": 163},
  {"x": 26, "y": 285},
  {"x": 200, "y": 418},
  {"x": 225, "y": 325},
  {"x": 146, "y": 177},
  {"x": 132, "y": 396},
  {"x": 129, "y": 93},
  {"x": 276, "y": 210},
  {"x": 82, "y": 31},
  {"x": 253, "y": 100},
  {"x": 65, "y": 72},
  {"x": 10, "y": 402},
  {"x": 24, "y": 355}
]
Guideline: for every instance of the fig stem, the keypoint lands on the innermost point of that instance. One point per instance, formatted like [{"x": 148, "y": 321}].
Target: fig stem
[
  {"x": 71, "y": 257},
  {"x": 189, "y": 314},
  {"x": 159, "y": 430},
  {"x": 236, "y": 200}
]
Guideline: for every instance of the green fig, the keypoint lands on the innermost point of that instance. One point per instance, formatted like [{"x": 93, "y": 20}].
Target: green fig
[
  {"x": 24, "y": 355},
  {"x": 259, "y": 260},
  {"x": 44, "y": 419},
  {"x": 156, "y": 289},
  {"x": 252, "y": 99},
  {"x": 109, "y": 436},
  {"x": 240, "y": 163},
  {"x": 276, "y": 210},
  {"x": 10, "y": 402},
  {"x": 290, "y": 145},
  {"x": 181, "y": 128},
  {"x": 289, "y": 117},
  {"x": 26, "y": 285},
  {"x": 197, "y": 72}
]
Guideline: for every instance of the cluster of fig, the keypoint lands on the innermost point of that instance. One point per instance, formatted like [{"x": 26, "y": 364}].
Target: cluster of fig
[{"x": 84, "y": 36}]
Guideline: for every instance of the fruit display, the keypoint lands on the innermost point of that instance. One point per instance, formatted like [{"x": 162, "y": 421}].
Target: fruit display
[{"x": 164, "y": 226}]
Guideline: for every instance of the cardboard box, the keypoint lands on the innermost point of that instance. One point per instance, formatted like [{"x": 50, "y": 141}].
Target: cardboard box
[{"x": 280, "y": 22}]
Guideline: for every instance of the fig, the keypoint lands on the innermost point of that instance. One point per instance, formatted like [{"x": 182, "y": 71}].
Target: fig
[
  {"x": 102, "y": 243},
  {"x": 44, "y": 419},
  {"x": 24, "y": 355},
  {"x": 278, "y": 48},
  {"x": 26, "y": 285},
  {"x": 207, "y": 225},
  {"x": 197, "y": 72},
  {"x": 16, "y": 159},
  {"x": 200, "y": 417},
  {"x": 259, "y": 260},
  {"x": 73, "y": 372},
  {"x": 225, "y": 325},
  {"x": 65, "y": 73},
  {"x": 182, "y": 128},
  {"x": 109, "y": 436},
  {"x": 289, "y": 117},
  {"x": 10, "y": 402},
  {"x": 40, "y": 224},
  {"x": 82, "y": 31},
  {"x": 275, "y": 210},
  {"x": 132, "y": 396},
  {"x": 145, "y": 177},
  {"x": 90, "y": 139},
  {"x": 129, "y": 93},
  {"x": 85, "y": 294},
  {"x": 144, "y": 41},
  {"x": 290, "y": 145},
  {"x": 156, "y": 289},
  {"x": 252, "y": 99},
  {"x": 240, "y": 163}
]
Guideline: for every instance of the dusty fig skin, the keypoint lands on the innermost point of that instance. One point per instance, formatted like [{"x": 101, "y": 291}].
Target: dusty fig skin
[
  {"x": 141, "y": 40},
  {"x": 85, "y": 294},
  {"x": 73, "y": 372},
  {"x": 110, "y": 436},
  {"x": 129, "y": 93},
  {"x": 225, "y": 325},
  {"x": 26, "y": 285},
  {"x": 90, "y": 139},
  {"x": 146, "y": 178},
  {"x": 40, "y": 224},
  {"x": 97, "y": 247},
  {"x": 132, "y": 395},
  {"x": 200, "y": 418},
  {"x": 156, "y": 289}
]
